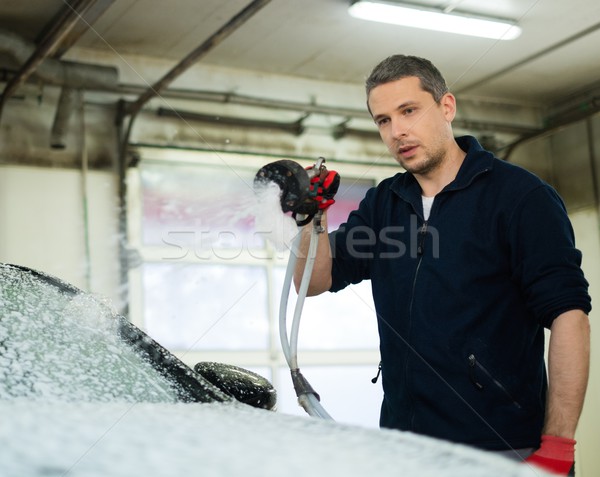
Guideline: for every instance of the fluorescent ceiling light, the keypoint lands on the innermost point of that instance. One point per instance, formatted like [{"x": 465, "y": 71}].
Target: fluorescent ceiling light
[{"x": 430, "y": 19}]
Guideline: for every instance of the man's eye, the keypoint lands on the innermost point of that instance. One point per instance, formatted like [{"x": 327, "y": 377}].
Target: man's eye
[
  {"x": 409, "y": 110},
  {"x": 381, "y": 122}
]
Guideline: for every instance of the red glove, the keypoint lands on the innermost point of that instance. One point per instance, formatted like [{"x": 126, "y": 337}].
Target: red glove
[
  {"x": 324, "y": 187},
  {"x": 556, "y": 454}
]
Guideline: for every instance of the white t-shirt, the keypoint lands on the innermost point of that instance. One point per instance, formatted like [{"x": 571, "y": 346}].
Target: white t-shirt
[{"x": 427, "y": 203}]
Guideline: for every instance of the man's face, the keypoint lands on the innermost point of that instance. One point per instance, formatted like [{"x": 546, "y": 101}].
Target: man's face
[{"x": 415, "y": 128}]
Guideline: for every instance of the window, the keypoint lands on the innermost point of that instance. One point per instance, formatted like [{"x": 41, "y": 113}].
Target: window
[
  {"x": 209, "y": 285},
  {"x": 201, "y": 306}
]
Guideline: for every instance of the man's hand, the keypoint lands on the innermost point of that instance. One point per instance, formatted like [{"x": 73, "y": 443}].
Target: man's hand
[
  {"x": 324, "y": 186},
  {"x": 556, "y": 454}
]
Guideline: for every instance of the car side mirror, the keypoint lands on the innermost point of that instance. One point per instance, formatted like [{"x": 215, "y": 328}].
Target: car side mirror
[{"x": 243, "y": 385}]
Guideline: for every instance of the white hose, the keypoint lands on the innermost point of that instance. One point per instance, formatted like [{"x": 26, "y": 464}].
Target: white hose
[
  {"x": 285, "y": 292},
  {"x": 308, "y": 400},
  {"x": 313, "y": 407},
  {"x": 302, "y": 291}
]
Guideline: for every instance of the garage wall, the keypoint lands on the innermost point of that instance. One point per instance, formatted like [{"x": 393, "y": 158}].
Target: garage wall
[{"x": 45, "y": 225}]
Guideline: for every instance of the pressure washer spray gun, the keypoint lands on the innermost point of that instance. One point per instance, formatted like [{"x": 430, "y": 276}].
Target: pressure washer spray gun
[{"x": 306, "y": 193}]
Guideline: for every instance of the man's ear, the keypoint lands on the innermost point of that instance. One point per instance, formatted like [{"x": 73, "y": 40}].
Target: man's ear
[{"x": 448, "y": 103}]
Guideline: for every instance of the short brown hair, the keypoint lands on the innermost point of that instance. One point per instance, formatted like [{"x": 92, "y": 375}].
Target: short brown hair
[{"x": 401, "y": 66}]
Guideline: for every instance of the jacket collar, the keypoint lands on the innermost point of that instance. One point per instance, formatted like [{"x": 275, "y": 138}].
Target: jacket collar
[{"x": 477, "y": 161}]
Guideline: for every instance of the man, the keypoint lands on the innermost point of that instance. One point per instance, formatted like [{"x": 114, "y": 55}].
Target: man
[{"x": 469, "y": 259}]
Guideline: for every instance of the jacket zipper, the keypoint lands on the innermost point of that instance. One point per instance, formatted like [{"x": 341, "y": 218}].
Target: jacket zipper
[
  {"x": 420, "y": 250},
  {"x": 374, "y": 380},
  {"x": 475, "y": 364},
  {"x": 421, "y": 243}
]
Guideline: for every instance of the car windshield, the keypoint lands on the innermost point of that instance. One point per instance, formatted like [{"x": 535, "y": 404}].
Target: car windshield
[{"x": 57, "y": 343}]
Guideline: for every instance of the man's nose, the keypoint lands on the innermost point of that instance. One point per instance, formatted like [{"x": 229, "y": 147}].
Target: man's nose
[{"x": 399, "y": 128}]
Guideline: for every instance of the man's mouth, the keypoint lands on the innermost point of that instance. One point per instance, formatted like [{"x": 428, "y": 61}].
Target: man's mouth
[{"x": 407, "y": 151}]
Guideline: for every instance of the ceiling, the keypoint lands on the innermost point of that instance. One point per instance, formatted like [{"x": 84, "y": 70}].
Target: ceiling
[{"x": 555, "y": 58}]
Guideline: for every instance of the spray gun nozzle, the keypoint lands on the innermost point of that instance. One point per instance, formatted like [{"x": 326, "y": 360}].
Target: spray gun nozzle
[{"x": 294, "y": 182}]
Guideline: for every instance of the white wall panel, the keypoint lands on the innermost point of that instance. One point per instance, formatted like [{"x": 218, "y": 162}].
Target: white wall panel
[{"x": 44, "y": 226}]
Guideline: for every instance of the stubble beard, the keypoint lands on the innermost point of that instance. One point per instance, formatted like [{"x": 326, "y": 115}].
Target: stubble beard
[{"x": 427, "y": 165}]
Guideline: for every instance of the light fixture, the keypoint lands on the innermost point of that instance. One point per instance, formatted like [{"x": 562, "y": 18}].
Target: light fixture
[{"x": 432, "y": 19}]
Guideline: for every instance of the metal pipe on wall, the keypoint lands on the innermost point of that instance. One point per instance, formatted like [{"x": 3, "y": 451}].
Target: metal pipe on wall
[
  {"x": 57, "y": 72},
  {"x": 88, "y": 18},
  {"x": 293, "y": 127},
  {"x": 47, "y": 46},
  {"x": 79, "y": 106},
  {"x": 64, "y": 109},
  {"x": 578, "y": 113}
]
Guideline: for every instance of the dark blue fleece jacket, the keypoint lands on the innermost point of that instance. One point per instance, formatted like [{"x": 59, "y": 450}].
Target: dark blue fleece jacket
[{"x": 462, "y": 299}]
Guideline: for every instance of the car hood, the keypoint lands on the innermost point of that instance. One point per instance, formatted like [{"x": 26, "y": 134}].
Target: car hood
[{"x": 41, "y": 439}]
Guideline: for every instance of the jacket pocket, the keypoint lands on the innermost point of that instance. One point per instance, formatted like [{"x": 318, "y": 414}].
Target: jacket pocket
[{"x": 482, "y": 378}]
